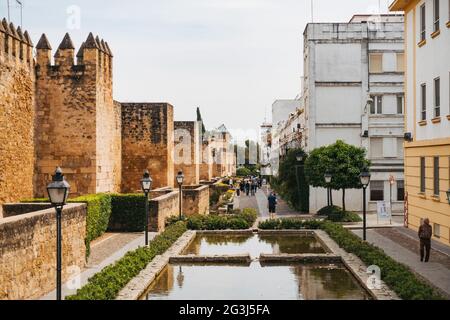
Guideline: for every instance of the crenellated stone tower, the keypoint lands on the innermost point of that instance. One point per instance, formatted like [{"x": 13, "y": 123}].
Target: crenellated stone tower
[
  {"x": 16, "y": 113},
  {"x": 78, "y": 125}
]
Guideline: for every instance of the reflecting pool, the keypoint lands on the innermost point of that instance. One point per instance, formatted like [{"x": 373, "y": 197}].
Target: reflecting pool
[
  {"x": 256, "y": 282},
  {"x": 254, "y": 244}
]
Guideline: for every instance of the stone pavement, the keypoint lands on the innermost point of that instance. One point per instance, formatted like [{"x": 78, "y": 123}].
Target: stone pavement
[
  {"x": 405, "y": 250},
  {"x": 104, "y": 251}
]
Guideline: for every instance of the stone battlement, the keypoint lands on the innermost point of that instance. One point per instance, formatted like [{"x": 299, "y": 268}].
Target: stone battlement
[
  {"x": 94, "y": 57},
  {"x": 15, "y": 46}
]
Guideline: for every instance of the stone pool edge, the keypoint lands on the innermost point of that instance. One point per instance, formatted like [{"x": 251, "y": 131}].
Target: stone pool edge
[
  {"x": 139, "y": 284},
  {"x": 358, "y": 269}
]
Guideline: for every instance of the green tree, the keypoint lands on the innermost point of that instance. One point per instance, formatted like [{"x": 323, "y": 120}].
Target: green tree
[
  {"x": 345, "y": 162},
  {"x": 291, "y": 181}
]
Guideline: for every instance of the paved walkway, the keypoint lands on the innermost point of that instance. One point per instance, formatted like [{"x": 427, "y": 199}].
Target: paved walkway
[
  {"x": 259, "y": 202},
  {"x": 404, "y": 249},
  {"x": 104, "y": 251}
]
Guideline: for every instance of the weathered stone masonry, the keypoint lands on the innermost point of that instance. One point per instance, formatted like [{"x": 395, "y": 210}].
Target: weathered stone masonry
[
  {"x": 28, "y": 246},
  {"x": 77, "y": 124},
  {"x": 147, "y": 143},
  {"x": 187, "y": 151},
  {"x": 16, "y": 113}
]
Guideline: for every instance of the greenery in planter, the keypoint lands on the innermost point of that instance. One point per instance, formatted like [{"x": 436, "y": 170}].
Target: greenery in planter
[
  {"x": 128, "y": 212},
  {"x": 236, "y": 221},
  {"x": 396, "y": 275},
  {"x": 336, "y": 214},
  {"x": 343, "y": 161},
  {"x": 289, "y": 224},
  {"x": 106, "y": 284},
  {"x": 217, "y": 192}
]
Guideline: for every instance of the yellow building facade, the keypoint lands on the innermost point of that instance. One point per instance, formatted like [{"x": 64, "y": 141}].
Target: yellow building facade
[{"x": 427, "y": 114}]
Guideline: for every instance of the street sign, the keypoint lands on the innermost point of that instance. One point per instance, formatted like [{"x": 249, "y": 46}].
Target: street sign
[{"x": 383, "y": 210}]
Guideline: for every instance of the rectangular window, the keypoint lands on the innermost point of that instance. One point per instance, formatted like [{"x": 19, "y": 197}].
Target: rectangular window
[
  {"x": 376, "y": 190},
  {"x": 436, "y": 230},
  {"x": 423, "y": 90},
  {"x": 436, "y": 176},
  {"x": 422, "y": 23},
  {"x": 436, "y": 14},
  {"x": 422, "y": 175},
  {"x": 376, "y": 148},
  {"x": 376, "y": 62},
  {"x": 400, "y": 102},
  {"x": 400, "y": 62},
  {"x": 437, "y": 97},
  {"x": 379, "y": 104},
  {"x": 400, "y": 190},
  {"x": 376, "y": 106}
]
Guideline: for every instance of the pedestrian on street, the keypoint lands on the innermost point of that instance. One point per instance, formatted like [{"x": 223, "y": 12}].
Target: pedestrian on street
[
  {"x": 425, "y": 234},
  {"x": 247, "y": 188},
  {"x": 272, "y": 204}
]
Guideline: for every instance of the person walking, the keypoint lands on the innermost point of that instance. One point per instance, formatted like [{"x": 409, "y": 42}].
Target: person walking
[
  {"x": 272, "y": 204},
  {"x": 425, "y": 233},
  {"x": 247, "y": 188}
]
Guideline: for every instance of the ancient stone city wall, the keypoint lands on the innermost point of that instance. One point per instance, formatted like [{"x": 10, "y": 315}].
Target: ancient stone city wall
[
  {"x": 16, "y": 114},
  {"x": 147, "y": 143},
  {"x": 195, "y": 200},
  {"x": 28, "y": 251},
  {"x": 77, "y": 122},
  {"x": 187, "y": 151}
]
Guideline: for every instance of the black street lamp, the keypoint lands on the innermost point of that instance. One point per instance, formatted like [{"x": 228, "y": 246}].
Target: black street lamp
[
  {"x": 328, "y": 178},
  {"x": 58, "y": 192},
  {"x": 365, "y": 180},
  {"x": 146, "y": 184},
  {"x": 180, "y": 178}
]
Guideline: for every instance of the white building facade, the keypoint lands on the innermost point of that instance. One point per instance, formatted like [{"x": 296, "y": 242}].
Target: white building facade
[
  {"x": 281, "y": 111},
  {"x": 346, "y": 66}
]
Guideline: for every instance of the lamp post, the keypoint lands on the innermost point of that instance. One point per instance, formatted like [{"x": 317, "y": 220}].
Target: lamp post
[
  {"x": 180, "y": 178},
  {"x": 328, "y": 178},
  {"x": 58, "y": 192},
  {"x": 448, "y": 196},
  {"x": 146, "y": 184},
  {"x": 365, "y": 179}
]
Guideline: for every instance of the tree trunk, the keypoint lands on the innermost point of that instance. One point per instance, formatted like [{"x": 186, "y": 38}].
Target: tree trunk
[{"x": 343, "y": 199}]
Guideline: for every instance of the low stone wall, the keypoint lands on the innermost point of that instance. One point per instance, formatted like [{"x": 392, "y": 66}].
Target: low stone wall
[
  {"x": 162, "y": 207},
  {"x": 195, "y": 200},
  {"x": 28, "y": 251},
  {"x": 16, "y": 209}
]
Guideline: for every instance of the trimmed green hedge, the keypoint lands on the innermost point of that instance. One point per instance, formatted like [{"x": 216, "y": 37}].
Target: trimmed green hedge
[
  {"x": 128, "y": 212},
  {"x": 238, "y": 221},
  {"x": 106, "y": 284},
  {"x": 289, "y": 224},
  {"x": 336, "y": 214},
  {"x": 396, "y": 275},
  {"x": 97, "y": 216}
]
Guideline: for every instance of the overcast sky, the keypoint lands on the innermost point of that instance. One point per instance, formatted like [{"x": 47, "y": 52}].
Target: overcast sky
[{"x": 231, "y": 58}]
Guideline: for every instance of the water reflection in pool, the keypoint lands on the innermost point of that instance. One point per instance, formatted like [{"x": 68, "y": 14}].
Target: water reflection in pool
[
  {"x": 254, "y": 244},
  {"x": 289, "y": 282}
]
